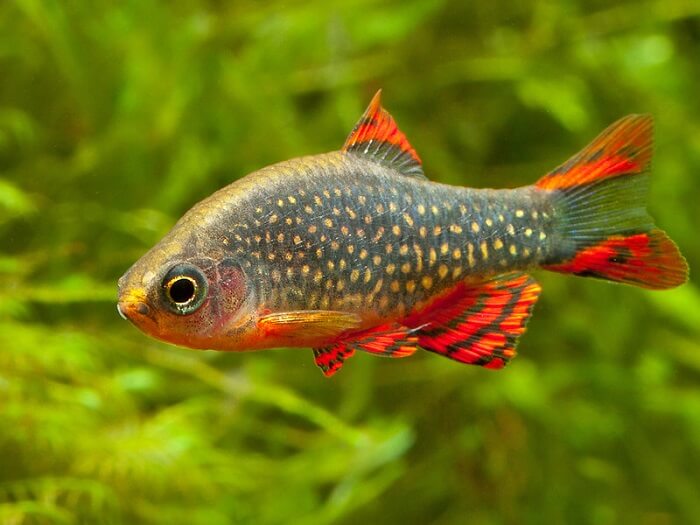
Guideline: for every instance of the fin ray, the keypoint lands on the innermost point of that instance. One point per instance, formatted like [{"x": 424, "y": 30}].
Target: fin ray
[
  {"x": 603, "y": 227},
  {"x": 389, "y": 340},
  {"x": 479, "y": 324},
  {"x": 330, "y": 359},
  {"x": 649, "y": 260},
  {"x": 624, "y": 148},
  {"x": 302, "y": 324},
  {"x": 377, "y": 136}
]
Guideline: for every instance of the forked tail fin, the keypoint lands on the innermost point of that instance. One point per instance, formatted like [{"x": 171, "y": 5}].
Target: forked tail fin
[{"x": 603, "y": 229}]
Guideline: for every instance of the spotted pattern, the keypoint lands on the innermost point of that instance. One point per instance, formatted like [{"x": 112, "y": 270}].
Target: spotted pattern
[{"x": 338, "y": 232}]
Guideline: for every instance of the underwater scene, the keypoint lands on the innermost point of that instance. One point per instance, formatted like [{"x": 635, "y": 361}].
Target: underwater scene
[{"x": 465, "y": 256}]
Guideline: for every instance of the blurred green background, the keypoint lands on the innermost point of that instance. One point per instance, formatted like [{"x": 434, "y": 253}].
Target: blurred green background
[{"x": 116, "y": 117}]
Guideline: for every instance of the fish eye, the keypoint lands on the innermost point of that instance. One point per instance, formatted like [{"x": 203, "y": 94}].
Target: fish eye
[{"x": 184, "y": 288}]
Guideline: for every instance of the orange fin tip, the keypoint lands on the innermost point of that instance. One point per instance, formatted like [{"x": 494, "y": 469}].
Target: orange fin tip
[
  {"x": 624, "y": 148},
  {"x": 376, "y": 136}
]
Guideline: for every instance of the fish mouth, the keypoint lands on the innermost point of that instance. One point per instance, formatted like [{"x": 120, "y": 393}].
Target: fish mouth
[{"x": 133, "y": 306}]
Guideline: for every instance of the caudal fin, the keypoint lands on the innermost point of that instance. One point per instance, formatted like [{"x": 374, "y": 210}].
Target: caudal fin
[{"x": 603, "y": 228}]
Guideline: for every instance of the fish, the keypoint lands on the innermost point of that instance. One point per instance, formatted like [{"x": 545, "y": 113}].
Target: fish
[{"x": 357, "y": 250}]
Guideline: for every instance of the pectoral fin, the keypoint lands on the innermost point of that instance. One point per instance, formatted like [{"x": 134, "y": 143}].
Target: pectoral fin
[{"x": 308, "y": 324}]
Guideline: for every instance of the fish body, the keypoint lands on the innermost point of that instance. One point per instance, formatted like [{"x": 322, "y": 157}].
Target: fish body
[
  {"x": 334, "y": 232},
  {"x": 358, "y": 250}
]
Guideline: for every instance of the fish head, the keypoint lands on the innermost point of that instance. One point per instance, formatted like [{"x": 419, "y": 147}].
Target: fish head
[{"x": 176, "y": 294}]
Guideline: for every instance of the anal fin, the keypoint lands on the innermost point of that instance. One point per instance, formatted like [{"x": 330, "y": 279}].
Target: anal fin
[{"x": 479, "y": 324}]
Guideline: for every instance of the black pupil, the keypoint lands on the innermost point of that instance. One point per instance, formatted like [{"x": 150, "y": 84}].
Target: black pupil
[{"x": 182, "y": 290}]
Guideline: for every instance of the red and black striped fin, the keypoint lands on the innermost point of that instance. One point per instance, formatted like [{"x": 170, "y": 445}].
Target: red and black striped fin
[
  {"x": 377, "y": 136},
  {"x": 603, "y": 228},
  {"x": 479, "y": 324},
  {"x": 331, "y": 358},
  {"x": 389, "y": 340}
]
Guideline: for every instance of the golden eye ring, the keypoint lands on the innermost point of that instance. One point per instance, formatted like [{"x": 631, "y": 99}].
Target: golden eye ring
[{"x": 184, "y": 289}]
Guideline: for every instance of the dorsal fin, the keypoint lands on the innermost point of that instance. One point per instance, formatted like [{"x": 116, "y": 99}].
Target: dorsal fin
[{"x": 377, "y": 137}]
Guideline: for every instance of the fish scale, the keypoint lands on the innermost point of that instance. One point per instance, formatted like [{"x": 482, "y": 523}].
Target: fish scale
[{"x": 356, "y": 250}]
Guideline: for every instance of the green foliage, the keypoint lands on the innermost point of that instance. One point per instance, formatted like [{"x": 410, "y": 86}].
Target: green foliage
[{"x": 115, "y": 117}]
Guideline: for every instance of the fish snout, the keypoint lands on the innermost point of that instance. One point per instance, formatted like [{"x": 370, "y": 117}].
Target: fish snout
[{"x": 133, "y": 306}]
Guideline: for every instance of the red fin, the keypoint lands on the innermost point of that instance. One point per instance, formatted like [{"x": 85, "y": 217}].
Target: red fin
[
  {"x": 331, "y": 358},
  {"x": 376, "y": 135},
  {"x": 479, "y": 324},
  {"x": 624, "y": 148},
  {"x": 390, "y": 340},
  {"x": 649, "y": 259}
]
